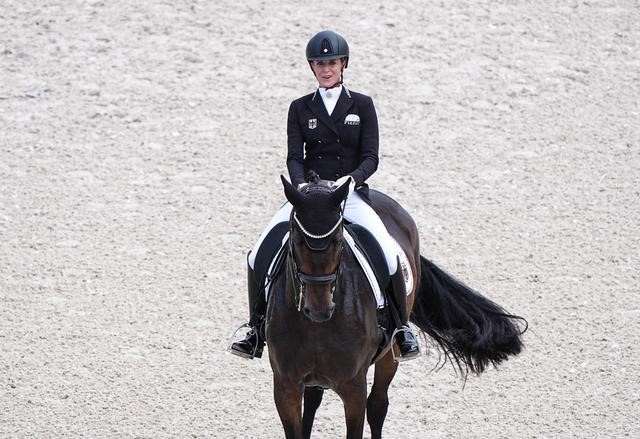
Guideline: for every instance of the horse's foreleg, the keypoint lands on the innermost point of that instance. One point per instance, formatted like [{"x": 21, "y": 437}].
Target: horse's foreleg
[
  {"x": 378, "y": 400},
  {"x": 354, "y": 397},
  {"x": 288, "y": 397},
  {"x": 312, "y": 400}
]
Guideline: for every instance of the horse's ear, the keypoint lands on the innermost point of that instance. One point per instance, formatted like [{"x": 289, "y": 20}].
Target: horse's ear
[
  {"x": 293, "y": 195},
  {"x": 341, "y": 193}
]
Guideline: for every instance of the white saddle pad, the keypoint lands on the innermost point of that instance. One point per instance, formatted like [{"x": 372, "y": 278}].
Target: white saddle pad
[{"x": 368, "y": 271}]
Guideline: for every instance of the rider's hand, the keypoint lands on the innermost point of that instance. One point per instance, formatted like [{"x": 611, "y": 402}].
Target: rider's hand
[
  {"x": 342, "y": 180},
  {"x": 302, "y": 186}
]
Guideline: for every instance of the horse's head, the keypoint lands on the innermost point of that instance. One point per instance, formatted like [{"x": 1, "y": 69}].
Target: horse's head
[{"x": 316, "y": 245}]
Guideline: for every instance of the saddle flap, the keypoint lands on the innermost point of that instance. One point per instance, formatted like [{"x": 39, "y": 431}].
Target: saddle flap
[
  {"x": 269, "y": 249},
  {"x": 369, "y": 246}
]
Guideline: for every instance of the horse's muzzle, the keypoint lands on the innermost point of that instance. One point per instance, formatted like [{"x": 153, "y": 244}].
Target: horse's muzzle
[
  {"x": 319, "y": 316},
  {"x": 317, "y": 293}
]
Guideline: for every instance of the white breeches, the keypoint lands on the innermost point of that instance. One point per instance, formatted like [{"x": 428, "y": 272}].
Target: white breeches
[{"x": 356, "y": 211}]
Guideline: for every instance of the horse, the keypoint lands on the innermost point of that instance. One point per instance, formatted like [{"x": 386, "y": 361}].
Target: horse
[{"x": 322, "y": 329}]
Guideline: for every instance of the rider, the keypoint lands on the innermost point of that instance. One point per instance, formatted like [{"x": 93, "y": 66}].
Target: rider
[{"x": 333, "y": 131}]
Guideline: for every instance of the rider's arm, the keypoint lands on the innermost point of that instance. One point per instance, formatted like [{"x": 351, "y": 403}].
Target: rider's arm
[
  {"x": 369, "y": 142},
  {"x": 295, "y": 147}
]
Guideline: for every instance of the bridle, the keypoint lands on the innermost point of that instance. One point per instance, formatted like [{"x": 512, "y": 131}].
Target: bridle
[
  {"x": 311, "y": 235},
  {"x": 301, "y": 279}
]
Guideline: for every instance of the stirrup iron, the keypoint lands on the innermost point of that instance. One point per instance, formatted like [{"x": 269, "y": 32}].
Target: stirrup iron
[
  {"x": 400, "y": 358},
  {"x": 232, "y": 338}
]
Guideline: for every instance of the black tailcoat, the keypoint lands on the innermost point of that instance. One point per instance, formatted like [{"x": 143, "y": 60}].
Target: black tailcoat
[{"x": 343, "y": 143}]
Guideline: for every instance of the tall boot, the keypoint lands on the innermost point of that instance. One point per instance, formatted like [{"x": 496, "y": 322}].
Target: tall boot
[
  {"x": 253, "y": 343},
  {"x": 407, "y": 342}
]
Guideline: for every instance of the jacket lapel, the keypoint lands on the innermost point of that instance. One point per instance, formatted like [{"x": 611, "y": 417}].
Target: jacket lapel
[{"x": 316, "y": 105}]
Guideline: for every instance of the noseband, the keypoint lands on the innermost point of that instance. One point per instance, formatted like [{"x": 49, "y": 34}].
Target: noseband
[{"x": 302, "y": 279}]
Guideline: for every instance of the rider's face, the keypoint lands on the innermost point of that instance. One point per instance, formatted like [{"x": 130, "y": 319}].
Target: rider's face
[{"x": 327, "y": 72}]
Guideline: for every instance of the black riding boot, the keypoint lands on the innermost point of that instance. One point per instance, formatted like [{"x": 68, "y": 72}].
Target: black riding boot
[
  {"x": 253, "y": 343},
  {"x": 407, "y": 342}
]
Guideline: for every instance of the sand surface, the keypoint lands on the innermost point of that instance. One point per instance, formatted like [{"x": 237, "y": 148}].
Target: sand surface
[{"x": 140, "y": 150}]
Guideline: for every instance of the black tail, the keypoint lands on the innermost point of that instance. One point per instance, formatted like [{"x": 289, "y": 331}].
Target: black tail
[{"x": 472, "y": 331}]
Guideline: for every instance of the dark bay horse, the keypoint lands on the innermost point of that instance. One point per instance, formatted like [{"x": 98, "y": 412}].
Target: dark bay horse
[{"x": 322, "y": 325}]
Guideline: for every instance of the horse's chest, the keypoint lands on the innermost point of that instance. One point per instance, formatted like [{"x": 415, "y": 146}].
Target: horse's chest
[{"x": 321, "y": 353}]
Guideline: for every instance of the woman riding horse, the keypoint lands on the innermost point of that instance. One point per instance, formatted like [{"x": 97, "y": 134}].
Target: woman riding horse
[{"x": 333, "y": 131}]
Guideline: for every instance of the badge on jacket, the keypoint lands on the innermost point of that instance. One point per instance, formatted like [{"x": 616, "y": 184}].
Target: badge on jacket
[
  {"x": 313, "y": 123},
  {"x": 352, "y": 119}
]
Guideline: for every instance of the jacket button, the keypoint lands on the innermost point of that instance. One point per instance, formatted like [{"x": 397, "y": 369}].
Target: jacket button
[
  {"x": 320, "y": 157},
  {"x": 338, "y": 157},
  {"x": 319, "y": 141},
  {"x": 337, "y": 175},
  {"x": 338, "y": 140}
]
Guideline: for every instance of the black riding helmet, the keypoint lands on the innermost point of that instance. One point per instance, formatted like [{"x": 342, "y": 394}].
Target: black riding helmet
[{"x": 327, "y": 45}]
